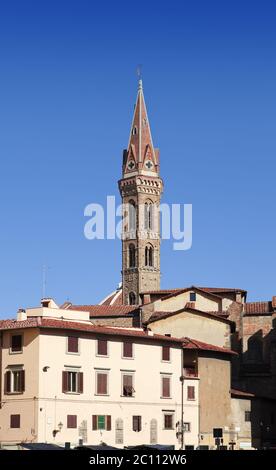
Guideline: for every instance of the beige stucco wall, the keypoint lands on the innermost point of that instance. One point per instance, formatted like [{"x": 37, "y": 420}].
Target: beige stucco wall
[
  {"x": 179, "y": 301},
  {"x": 240, "y": 429},
  {"x": 24, "y": 404},
  {"x": 196, "y": 326},
  {"x": 214, "y": 396},
  {"x": 43, "y": 405}
]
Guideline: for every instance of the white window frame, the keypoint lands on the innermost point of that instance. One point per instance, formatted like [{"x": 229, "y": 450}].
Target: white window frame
[
  {"x": 133, "y": 351},
  {"x": 128, "y": 372},
  {"x": 102, "y": 371},
  {"x": 102, "y": 355},
  {"x": 165, "y": 375},
  {"x": 22, "y": 343},
  {"x": 171, "y": 413}
]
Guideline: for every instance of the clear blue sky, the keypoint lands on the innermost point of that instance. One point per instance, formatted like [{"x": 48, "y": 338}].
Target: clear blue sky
[{"x": 67, "y": 89}]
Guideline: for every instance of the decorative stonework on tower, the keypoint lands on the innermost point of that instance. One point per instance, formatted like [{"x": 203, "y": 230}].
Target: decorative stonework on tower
[{"x": 141, "y": 189}]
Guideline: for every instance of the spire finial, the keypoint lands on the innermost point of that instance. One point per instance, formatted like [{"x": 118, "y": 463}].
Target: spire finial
[{"x": 139, "y": 74}]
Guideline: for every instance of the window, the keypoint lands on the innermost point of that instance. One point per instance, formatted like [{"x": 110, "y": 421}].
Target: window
[
  {"x": 190, "y": 392},
  {"x": 165, "y": 386},
  {"x": 101, "y": 347},
  {"x": 148, "y": 210},
  {"x": 187, "y": 427},
  {"x": 137, "y": 423},
  {"x": 168, "y": 420},
  {"x": 131, "y": 216},
  {"x": 132, "y": 298},
  {"x": 134, "y": 130},
  {"x": 16, "y": 343},
  {"x": 131, "y": 256},
  {"x": 72, "y": 382},
  {"x": 149, "y": 256},
  {"x": 73, "y": 344},
  {"x": 71, "y": 421},
  {"x": 166, "y": 350},
  {"x": 127, "y": 385},
  {"x": 15, "y": 421},
  {"x": 192, "y": 296},
  {"x": 15, "y": 381},
  {"x": 247, "y": 416},
  {"x": 102, "y": 422},
  {"x": 127, "y": 350},
  {"x": 101, "y": 383}
]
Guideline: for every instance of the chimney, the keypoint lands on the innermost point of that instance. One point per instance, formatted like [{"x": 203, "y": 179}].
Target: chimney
[{"x": 21, "y": 314}]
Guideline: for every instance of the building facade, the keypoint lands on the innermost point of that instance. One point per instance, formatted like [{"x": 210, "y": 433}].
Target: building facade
[{"x": 70, "y": 381}]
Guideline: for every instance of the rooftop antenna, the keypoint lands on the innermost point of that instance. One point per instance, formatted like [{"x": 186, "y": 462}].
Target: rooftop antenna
[{"x": 44, "y": 279}]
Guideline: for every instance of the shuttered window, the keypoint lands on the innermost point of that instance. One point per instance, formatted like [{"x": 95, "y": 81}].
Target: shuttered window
[
  {"x": 166, "y": 386},
  {"x": 73, "y": 344},
  {"x": 168, "y": 421},
  {"x": 102, "y": 422},
  {"x": 101, "y": 383},
  {"x": 72, "y": 382},
  {"x": 71, "y": 421},
  {"x": 102, "y": 347},
  {"x": 127, "y": 349},
  {"x": 14, "y": 381},
  {"x": 166, "y": 353},
  {"x": 15, "y": 421},
  {"x": 128, "y": 390},
  {"x": 190, "y": 392},
  {"x": 137, "y": 423},
  {"x": 16, "y": 343}
]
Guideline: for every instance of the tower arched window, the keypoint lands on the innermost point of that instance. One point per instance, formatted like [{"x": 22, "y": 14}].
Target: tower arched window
[
  {"x": 131, "y": 215},
  {"x": 148, "y": 211},
  {"x": 132, "y": 298},
  {"x": 149, "y": 256},
  {"x": 131, "y": 256}
]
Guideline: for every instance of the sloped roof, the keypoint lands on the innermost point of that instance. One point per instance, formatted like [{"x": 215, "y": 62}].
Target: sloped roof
[
  {"x": 40, "y": 322},
  {"x": 105, "y": 310},
  {"x": 258, "y": 308},
  {"x": 189, "y": 343},
  {"x": 161, "y": 315}
]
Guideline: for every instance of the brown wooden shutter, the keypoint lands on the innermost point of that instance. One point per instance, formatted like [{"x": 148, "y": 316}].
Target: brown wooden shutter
[
  {"x": 73, "y": 344},
  {"x": 22, "y": 381},
  {"x": 8, "y": 381},
  {"x": 71, "y": 421},
  {"x": 166, "y": 387},
  {"x": 108, "y": 423},
  {"x": 15, "y": 421},
  {"x": 102, "y": 347},
  {"x": 64, "y": 381},
  {"x": 102, "y": 383},
  {"x": 137, "y": 423},
  {"x": 165, "y": 353},
  {"x": 94, "y": 422},
  {"x": 127, "y": 349},
  {"x": 191, "y": 393},
  {"x": 80, "y": 382}
]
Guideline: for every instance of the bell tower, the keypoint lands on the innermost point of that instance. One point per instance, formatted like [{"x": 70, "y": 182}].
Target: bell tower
[{"x": 141, "y": 189}]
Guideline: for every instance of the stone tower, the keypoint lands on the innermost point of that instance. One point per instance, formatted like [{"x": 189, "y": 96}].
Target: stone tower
[{"x": 141, "y": 189}]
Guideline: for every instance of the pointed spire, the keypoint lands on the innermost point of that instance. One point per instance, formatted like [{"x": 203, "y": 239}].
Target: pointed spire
[{"x": 140, "y": 156}]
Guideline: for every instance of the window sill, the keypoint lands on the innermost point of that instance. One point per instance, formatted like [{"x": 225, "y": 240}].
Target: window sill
[
  {"x": 103, "y": 355},
  {"x": 15, "y": 352},
  {"x": 166, "y": 398},
  {"x": 101, "y": 395},
  {"x": 127, "y": 396},
  {"x": 72, "y": 393},
  {"x": 73, "y": 353},
  {"x": 14, "y": 393}
]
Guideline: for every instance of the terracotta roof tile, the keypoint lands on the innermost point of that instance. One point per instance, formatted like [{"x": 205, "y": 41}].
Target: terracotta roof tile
[
  {"x": 52, "y": 323},
  {"x": 251, "y": 308},
  {"x": 105, "y": 310},
  {"x": 189, "y": 343}
]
